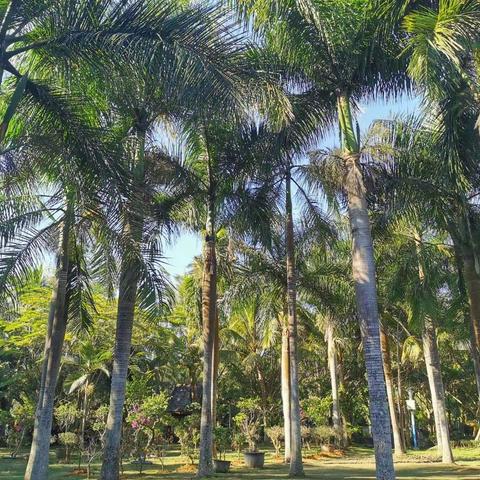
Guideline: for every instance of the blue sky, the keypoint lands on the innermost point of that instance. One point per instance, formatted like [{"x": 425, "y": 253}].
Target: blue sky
[{"x": 180, "y": 252}]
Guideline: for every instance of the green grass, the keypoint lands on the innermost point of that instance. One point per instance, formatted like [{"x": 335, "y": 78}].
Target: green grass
[{"x": 356, "y": 465}]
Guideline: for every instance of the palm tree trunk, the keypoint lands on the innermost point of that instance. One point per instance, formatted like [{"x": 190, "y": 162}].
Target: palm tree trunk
[
  {"x": 332, "y": 367},
  {"x": 387, "y": 369},
  {"x": 123, "y": 338},
  {"x": 127, "y": 294},
  {"x": 364, "y": 277},
  {"x": 432, "y": 362},
  {"x": 296, "y": 463},
  {"x": 400, "y": 405},
  {"x": 37, "y": 467},
  {"x": 472, "y": 284},
  {"x": 341, "y": 383},
  {"x": 216, "y": 362},
  {"x": 285, "y": 385},
  {"x": 433, "y": 367},
  {"x": 209, "y": 316},
  {"x": 84, "y": 422}
]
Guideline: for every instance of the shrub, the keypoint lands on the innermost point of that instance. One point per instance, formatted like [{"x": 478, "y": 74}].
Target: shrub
[
  {"x": 68, "y": 440},
  {"x": 317, "y": 409},
  {"x": 223, "y": 439},
  {"x": 22, "y": 415},
  {"x": 247, "y": 420},
  {"x": 276, "y": 435},
  {"x": 238, "y": 441},
  {"x": 322, "y": 435},
  {"x": 188, "y": 432}
]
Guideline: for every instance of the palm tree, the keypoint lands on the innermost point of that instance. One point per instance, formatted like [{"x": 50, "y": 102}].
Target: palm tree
[
  {"x": 411, "y": 150},
  {"x": 343, "y": 48},
  {"x": 279, "y": 149},
  {"x": 398, "y": 442},
  {"x": 32, "y": 223},
  {"x": 442, "y": 65},
  {"x": 423, "y": 277},
  {"x": 71, "y": 297},
  {"x": 88, "y": 363},
  {"x": 146, "y": 100},
  {"x": 219, "y": 165}
]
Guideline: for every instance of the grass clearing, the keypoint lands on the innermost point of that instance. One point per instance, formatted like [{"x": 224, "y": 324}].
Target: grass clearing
[{"x": 356, "y": 465}]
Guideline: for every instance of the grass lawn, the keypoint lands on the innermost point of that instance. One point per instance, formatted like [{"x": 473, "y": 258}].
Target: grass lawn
[{"x": 357, "y": 465}]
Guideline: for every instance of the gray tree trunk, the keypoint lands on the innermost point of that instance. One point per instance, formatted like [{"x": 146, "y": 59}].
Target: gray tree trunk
[
  {"x": 400, "y": 404},
  {"x": 432, "y": 362},
  {"x": 332, "y": 367},
  {"x": 127, "y": 295},
  {"x": 472, "y": 284},
  {"x": 123, "y": 339},
  {"x": 285, "y": 385},
  {"x": 364, "y": 277},
  {"x": 387, "y": 369},
  {"x": 37, "y": 467},
  {"x": 296, "y": 463}
]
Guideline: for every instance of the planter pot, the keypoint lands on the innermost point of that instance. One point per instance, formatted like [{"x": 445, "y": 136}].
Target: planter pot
[
  {"x": 254, "y": 459},
  {"x": 221, "y": 466}
]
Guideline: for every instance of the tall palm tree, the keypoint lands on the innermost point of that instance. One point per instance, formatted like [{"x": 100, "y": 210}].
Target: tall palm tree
[
  {"x": 412, "y": 148},
  {"x": 344, "y": 48},
  {"x": 159, "y": 94},
  {"x": 31, "y": 223},
  {"x": 220, "y": 165},
  {"x": 88, "y": 364},
  {"x": 419, "y": 265},
  {"x": 279, "y": 148},
  {"x": 442, "y": 39}
]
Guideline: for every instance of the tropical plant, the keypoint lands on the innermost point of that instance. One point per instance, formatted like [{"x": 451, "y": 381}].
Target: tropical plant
[{"x": 343, "y": 48}]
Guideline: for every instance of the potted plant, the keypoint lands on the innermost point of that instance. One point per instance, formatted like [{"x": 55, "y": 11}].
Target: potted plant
[
  {"x": 248, "y": 422},
  {"x": 222, "y": 441}
]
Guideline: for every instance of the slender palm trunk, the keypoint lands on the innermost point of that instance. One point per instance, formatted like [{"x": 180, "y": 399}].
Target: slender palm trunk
[
  {"x": 472, "y": 284},
  {"x": 432, "y": 362},
  {"x": 387, "y": 369},
  {"x": 400, "y": 405},
  {"x": 127, "y": 294},
  {"x": 209, "y": 316},
  {"x": 364, "y": 277},
  {"x": 216, "y": 363},
  {"x": 296, "y": 463},
  {"x": 285, "y": 385},
  {"x": 84, "y": 422},
  {"x": 37, "y": 467},
  {"x": 341, "y": 383},
  {"x": 433, "y": 367},
  {"x": 332, "y": 367}
]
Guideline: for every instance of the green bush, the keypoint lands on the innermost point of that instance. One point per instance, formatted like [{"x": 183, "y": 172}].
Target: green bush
[
  {"x": 276, "y": 435},
  {"x": 223, "y": 439}
]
